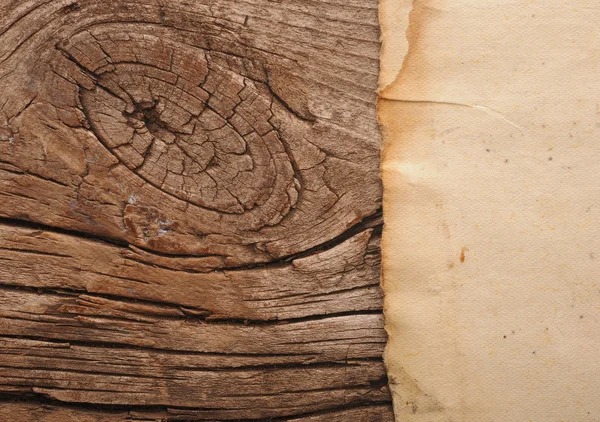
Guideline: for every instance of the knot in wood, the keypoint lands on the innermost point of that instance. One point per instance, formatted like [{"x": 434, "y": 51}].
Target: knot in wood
[{"x": 186, "y": 123}]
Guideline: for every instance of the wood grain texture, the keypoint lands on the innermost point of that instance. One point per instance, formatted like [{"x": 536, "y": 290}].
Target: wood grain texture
[
  {"x": 189, "y": 211},
  {"x": 50, "y": 413}
]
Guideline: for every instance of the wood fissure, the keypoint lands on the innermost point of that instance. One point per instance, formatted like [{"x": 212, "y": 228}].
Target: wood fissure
[
  {"x": 49, "y": 410},
  {"x": 374, "y": 222}
]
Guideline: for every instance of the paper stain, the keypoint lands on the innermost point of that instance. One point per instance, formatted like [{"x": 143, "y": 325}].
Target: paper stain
[{"x": 394, "y": 23}]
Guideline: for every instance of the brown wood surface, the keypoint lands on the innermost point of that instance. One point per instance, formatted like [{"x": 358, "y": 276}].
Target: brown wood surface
[{"x": 190, "y": 211}]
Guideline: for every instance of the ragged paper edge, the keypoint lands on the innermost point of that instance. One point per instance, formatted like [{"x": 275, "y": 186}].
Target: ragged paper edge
[
  {"x": 401, "y": 23},
  {"x": 394, "y": 20}
]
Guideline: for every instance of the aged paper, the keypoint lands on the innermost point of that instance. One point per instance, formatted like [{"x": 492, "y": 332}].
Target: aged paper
[{"x": 491, "y": 118}]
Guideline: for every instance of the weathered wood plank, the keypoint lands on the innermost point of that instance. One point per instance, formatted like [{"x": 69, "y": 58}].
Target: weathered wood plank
[
  {"x": 189, "y": 211},
  {"x": 254, "y": 370},
  {"x": 52, "y": 413},
  {"x": 319, "y": 340},
  {"x": 343, "y": 278}
]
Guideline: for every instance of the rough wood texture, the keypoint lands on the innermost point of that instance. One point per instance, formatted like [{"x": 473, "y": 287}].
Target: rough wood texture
[
  {"x": 49, "y": 413},
  {"x": 189, "y": 224}
]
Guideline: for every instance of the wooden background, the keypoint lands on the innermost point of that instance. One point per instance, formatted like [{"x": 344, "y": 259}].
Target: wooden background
[{"x": 190, "y": 211}]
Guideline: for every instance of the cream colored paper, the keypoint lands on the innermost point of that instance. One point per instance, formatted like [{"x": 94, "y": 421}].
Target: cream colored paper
[{"x": 491, "y": 118}]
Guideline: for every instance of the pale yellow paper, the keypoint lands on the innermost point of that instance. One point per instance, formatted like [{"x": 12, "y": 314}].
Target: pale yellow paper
[{"x": 491, "y": 120}]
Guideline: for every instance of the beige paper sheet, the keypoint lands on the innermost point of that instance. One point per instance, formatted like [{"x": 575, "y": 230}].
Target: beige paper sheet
[{"x": 491, "y": 118}]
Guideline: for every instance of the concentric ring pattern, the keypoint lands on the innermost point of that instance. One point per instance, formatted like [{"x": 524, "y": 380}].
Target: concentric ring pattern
[
  {"x": 200, "y": 133},
  {"x": 187, "y": 125}
]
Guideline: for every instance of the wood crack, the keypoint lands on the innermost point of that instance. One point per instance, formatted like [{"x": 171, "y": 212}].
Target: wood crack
[
  {"x": 374, "y": 221},
  {"x": 158, "y": 413}
]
